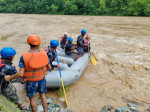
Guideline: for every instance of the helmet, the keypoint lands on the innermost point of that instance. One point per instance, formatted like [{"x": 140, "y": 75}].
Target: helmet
[
  {"x": 7, "y": 52},
  {"x": 83, "y": 31},
  {"x": 65, "y": 33},
  {"x": 70, "y": 39},
  {"x": 54, "y": 43},
  {"x": 33, "y": 39}
]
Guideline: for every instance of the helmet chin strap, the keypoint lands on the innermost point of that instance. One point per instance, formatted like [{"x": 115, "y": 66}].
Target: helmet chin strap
[{"x": 8, "y": 59}]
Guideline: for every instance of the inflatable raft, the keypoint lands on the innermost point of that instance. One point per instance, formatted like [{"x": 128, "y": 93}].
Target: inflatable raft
[{"x": 71, "y": 73}]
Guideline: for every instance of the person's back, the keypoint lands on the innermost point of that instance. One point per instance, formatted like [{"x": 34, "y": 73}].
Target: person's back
[
  {"x": 68, "y": 48},
  {"x": 64, "y": 40},
  {"x": 51, "y": 52}
]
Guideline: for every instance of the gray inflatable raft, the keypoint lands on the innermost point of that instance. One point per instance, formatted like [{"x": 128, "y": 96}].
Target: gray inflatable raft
[{"x": 70, "y": 75}]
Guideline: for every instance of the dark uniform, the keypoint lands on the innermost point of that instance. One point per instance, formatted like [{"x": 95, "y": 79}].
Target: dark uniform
[
  {"x": 63, "y": 42},
  {"x": 51, "y": 55},
  {"x": 68, "y": 49},
  {"x": 80, "y": 45},
  {"x": 7, "y": 68}
]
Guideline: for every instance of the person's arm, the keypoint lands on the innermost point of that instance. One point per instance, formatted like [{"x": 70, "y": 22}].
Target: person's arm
[
  {"x": 80, "y": 42},
  {"x": 19, "y": 74},
  {"x": 48, "y": 67}
]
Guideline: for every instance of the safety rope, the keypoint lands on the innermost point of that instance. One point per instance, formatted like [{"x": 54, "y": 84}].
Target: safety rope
[{"x": 60, "y": 50}]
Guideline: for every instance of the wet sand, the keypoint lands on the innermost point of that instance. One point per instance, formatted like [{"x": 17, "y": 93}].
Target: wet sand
[{"x": 121, "y": 46}]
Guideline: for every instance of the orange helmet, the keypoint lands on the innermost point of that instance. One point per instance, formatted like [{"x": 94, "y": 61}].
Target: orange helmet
[{"x": 33, "y": 39}]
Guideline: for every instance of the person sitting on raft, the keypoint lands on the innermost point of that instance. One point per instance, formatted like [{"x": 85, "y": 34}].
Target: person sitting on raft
[
  {"x": 69, "y": 49},
  {"x": 51, "y": 52},
  {"x": 63, "y": 40},
  {"x": 7, "y": 68},
  {"x": 87, "y": 43},
  {"x": 80, "y": 44}
]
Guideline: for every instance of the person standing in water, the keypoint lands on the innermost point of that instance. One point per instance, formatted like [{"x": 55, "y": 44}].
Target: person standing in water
[{"x": 33, "y": 66}]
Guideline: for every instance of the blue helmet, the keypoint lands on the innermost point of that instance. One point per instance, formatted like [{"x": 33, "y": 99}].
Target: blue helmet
[
  {"x": 7, "y": 52},
  {"x": 83, "y": 31},
  {"x": 70, "y": 39},
  {"x": 54, "y": 43}
]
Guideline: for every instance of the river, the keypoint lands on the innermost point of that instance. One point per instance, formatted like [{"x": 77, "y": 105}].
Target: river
[{"x": 121, "y": 46}]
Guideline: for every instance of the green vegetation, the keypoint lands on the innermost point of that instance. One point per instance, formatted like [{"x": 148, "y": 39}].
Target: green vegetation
[
  {"x": 61, "y": 92},
  {"x": 7, "y": 106},
  {"x": 77, "y": 7}
]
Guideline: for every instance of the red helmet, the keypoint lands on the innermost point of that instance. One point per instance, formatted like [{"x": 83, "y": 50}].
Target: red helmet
[{"x": 33, "y": 39}]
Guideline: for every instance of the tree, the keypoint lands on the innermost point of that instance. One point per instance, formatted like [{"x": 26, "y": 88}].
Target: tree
[
  {"x": 89, "y": 8},
  {"x": 102, "y": 7},
  {"x": 54, "y": 9},
  {"x": 139, "y": 7},
  {"x": 70, "y": 8}
]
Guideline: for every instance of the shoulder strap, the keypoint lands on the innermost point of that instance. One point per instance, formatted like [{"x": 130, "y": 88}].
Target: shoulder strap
[{"x": 1, "y": 64}]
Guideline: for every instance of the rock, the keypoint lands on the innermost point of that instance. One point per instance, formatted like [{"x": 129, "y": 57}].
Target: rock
[
  {"x": 55, "y": 105},
  {"x": 148, "y": 109},
  {"x": 64, "y": 110},
  {"x": 132, "y": 108},
  {"x": 131, "y": 105},
  {"x": 57, "y": 109},
  {"x": 53, "y": 99},
  {"x": 103, "y": 111},
  {"x": 107, "y": 108},
  {"x": 49, "y": 101},
  {"x": 122, "y": 109},
  {"x": 62, "y": 99},
  {"x": 29, "y": 108},
  {"x": 59, "y": 104},
  {"x": 40, "y": 108},
  {"x": 136, "y": 111}
]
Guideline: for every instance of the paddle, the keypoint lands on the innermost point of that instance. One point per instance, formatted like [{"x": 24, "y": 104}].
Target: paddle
[
  {"x": 94, "y": 62},
  {"x": 61, "y": 80}
]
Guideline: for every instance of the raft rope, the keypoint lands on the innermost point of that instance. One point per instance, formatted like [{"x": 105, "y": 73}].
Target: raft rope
[
  {"x": 60, "y": 50},
  {"x": 82, "y": 65}
]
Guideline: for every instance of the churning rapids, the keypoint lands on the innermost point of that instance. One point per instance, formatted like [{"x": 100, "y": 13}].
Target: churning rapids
[{"x": 121, "y": 46}]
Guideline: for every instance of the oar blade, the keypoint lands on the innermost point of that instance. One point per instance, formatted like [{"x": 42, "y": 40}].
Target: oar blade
[{"x": 94, "y": 62}]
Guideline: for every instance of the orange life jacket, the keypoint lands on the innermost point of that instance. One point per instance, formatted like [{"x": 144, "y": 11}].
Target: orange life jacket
[{"x": 35, "y": 65}]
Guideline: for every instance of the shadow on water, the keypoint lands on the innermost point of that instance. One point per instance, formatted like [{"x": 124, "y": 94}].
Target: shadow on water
[{"x": 4, "y": 38}]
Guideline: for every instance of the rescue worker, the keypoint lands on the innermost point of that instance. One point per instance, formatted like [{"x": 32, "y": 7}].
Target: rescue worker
[
  {"x": 63, "y": 40},
  {"x": 51, "y": 53},
  {"x": 69, "y": 49},
  {"x": 7, "y": 68},
  {"x": 87, "y": 43},
  {"x": 33, "y": 66},
  {"x": 80, "y": 44}
]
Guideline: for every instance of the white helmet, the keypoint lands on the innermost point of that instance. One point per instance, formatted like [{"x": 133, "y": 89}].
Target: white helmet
[{"x": 65, "y": 33}]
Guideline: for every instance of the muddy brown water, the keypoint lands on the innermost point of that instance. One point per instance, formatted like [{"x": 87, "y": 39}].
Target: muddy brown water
[{"x": 121, "y": 46}]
